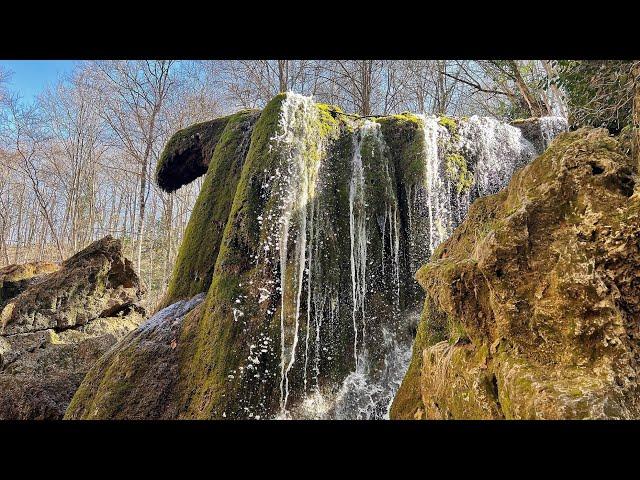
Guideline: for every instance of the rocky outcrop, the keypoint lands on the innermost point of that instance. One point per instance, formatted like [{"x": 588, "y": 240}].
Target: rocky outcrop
[
  {"x": 305, "y": 237},
  {"x": 188, "y": 153},
  {"x": 59, "y": 325},
  {"x": 532, "y": 307},
  {"x": 196, "y": 259},
  {"x": 144, "y": 371}
]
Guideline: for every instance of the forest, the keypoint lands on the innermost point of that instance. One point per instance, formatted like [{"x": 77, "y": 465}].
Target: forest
[{"x": 78, "y": 162}]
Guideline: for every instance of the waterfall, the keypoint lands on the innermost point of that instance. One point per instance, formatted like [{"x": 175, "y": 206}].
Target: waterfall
[
  {"x": 496, "y": 150},
  {"x": 358, "y": 236},
  {"x": 320, "y": 299},
  {"x": 429, "y": 202},
  {"x": 550, "y": 127},
  {"x": 291, "y": 217}
]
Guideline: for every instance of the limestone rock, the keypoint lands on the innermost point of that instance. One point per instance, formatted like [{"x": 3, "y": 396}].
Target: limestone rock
[
  {"x": 532, "y": 304},
  {"x": 14, "y": 279},
  {"x": 96, "y": 282},
  {"x": 145, "y": 370},
  {"x": 56, "y": 328},
  {"x": 305, "y": 236},
  {"x": 188, "y": 153}
]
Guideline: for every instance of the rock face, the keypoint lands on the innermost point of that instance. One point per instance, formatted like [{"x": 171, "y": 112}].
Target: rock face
[
  {"x": 59, "y": 325},
  {"x": 188, "y": 153},
  {"x": 532, "y": 308},
  {"x": 196, "y": 259},
  {"x": 306, "y": 237},
  {"x": 14, "y": 279},
  {"x": 142, "y": 388}
]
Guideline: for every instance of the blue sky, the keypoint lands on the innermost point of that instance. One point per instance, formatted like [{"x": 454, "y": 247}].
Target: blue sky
[{"x": 31, "y": 76}]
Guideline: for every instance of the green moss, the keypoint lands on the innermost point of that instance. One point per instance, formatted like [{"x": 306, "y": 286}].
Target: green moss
[
  {"x": 186, "y": 155},
  {"x": 403, "y": 135},
  {"x": 450, "y": 124},
  {"x": 458, "y": 171},
  {"x": 432, "y": 328},
  {"x": 196, "y": 259},
  {"x": 456, "y": 164},
  {"x": 329, "y": 122},
  {"x": 232, "y": 319}
]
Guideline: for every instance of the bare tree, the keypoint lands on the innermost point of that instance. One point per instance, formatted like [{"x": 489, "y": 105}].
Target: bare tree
[
  {"x": 26, "y": 136},
  {"x": 134, "y": 93}
]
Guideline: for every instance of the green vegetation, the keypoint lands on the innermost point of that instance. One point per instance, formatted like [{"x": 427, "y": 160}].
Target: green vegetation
[
  {"x": 599, "y": 92},
  {"x": 187, "y": 154},
  {"x": 456, "y": 164},
  {"x": 199, "y": 249}
]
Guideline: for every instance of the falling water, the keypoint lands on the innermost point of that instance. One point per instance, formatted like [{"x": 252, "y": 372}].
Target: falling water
[
  {"x": 293, "y": 187},
  {"x": 296, "y": 226},
  {"x": 429, "y": 201},
  {"x": 550, "y": 127},
  {"x": 496, "y": 150},
  {"x": 358, "y": 235}
]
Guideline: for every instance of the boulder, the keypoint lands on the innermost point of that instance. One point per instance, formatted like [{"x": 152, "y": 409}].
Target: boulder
[
  {"x": 96, "y": 282},
  {"x": 145, "y": 370},
  {"x": 59, "y": 325},
  {"x": 14, "y": 279},
  {"x": 532, "y": 304}
]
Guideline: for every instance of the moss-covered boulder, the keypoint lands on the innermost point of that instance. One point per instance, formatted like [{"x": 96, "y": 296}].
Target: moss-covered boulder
[
  {"x": 96, "y": 282},
  {"x": 59, "y": 325},
  {"x": 532, "y": 304},
  {"x": 138, "y": 379},
  {"x": 187, "y": 154},
  {"x": 305, "y": 237}
]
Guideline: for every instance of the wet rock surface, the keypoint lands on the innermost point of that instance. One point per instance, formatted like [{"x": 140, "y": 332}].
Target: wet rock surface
[
  {"x": 307, "y": 233},
  {"x": 144, "y": 370}
]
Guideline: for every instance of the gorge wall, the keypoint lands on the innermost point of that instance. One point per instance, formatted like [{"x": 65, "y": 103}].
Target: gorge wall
[{"x": 293, "y": 295}]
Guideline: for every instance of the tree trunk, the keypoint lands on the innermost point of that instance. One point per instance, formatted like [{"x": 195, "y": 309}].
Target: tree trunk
[
  {"x": 635, "y": 141},
  {"x": 530, "y": 100},
  {"x": 283, "y": 67},
  {"x": 141, "y": 207}
]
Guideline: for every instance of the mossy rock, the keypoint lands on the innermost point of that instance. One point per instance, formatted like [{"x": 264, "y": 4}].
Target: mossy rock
[
  {"x": 198, "y": 252},
  {"x": 187, "y": 154},
  {"x": 536, "y": 295},
  {"x": 258, "y": 318}
]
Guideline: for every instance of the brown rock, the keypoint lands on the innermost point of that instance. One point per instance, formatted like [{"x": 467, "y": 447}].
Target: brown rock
[
  {"x": 96, "y": 282},
  {"x": 14, "y": 279},
  {"x": 60, "y": 325},
  {"x": 533, "y": 306}
]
